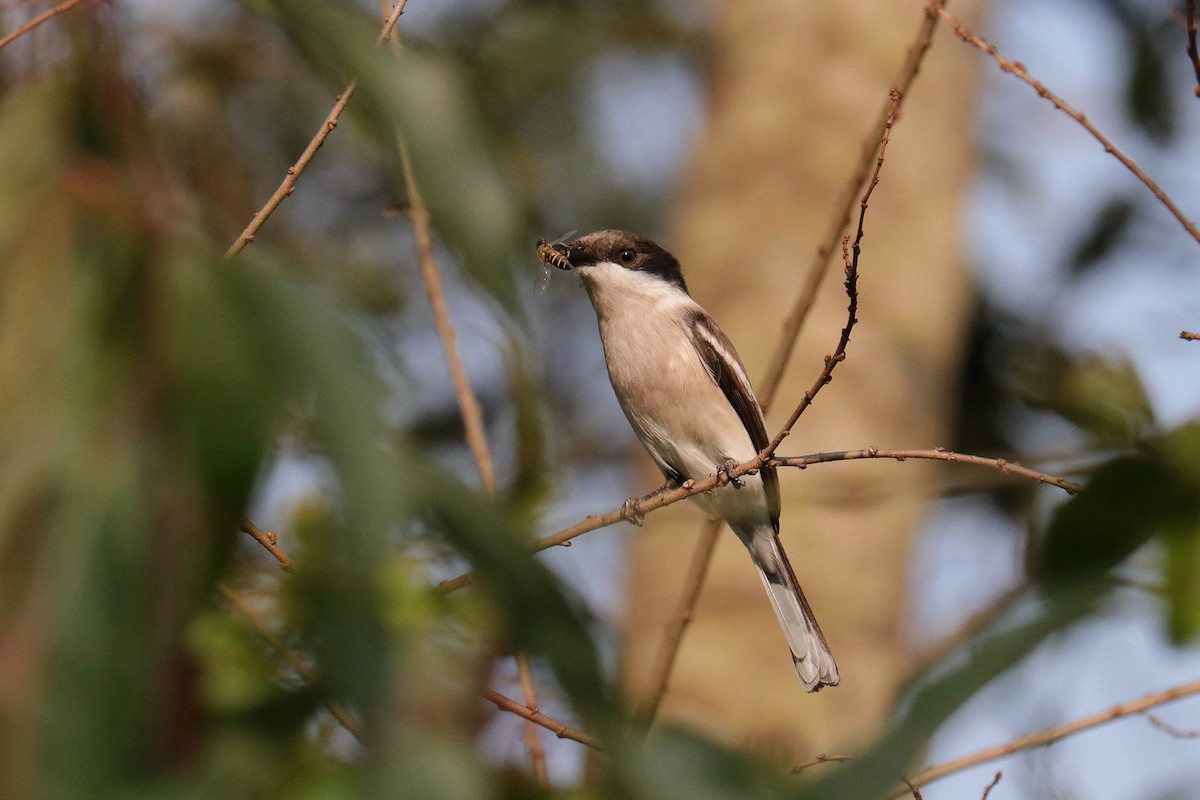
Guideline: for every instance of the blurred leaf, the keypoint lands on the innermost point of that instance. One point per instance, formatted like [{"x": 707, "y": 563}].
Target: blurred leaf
[
  {"x": 1149, "y": 94},
  {"x": 1182, "y": 572},
  {"x": 1104, "y": 396},
  {"x": 530, "y": 483},
  {"x": 1109, "y": 227},
  {"x": 1129, "y": 500},
  {"x": 676, "y": 763}
]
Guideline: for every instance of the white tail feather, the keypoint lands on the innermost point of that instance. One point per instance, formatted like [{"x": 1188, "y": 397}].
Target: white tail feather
[{"x": 814, "y": 662}]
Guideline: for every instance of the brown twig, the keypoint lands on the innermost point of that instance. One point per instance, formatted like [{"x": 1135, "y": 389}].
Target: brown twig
[
  {"x": 288, "y": 184},
  {"x": 1052, "y": 735},
  {"x": 1171, "y": 730},
  {"x": 820, "y": 758},
  {"x": 1018, "y": 69},
  {"x": 995, "y": 782},
  {"x": 668, "y": 648},
  {"x": 1189, "y": 336},
  {"x": 671, "y": 496},
  {"x": 839, "y": 353},
  {"x": 529, "y": 713},
  {"x": 936, "y": 454},
  {"x": 533, "y": 741},
  {"x": 559, "y": 729},
  {"x": 267, "y": 539},
  {"x": 39, "y": 19},
  {"x": 468, "y": 406},
  {"x": 916, "y": 793},
  {"x": 1193, "y": 53},
  {"x": 297, "y": 662},
  {"x": 819, "y": 265}
]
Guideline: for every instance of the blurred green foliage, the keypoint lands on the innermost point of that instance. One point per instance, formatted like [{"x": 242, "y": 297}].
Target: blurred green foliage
[{"x": 148, "y": 384}]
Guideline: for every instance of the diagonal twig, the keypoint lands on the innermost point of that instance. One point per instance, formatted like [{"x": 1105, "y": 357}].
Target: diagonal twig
[
  {"x": 1018, "y": 69},
  {"x": 288, "y": 184},
  {"x": 668, "y": 648},
  {"x": 1052, "y": 735},
  {"x": 297, "y": 662},
  {"x": 39, "y": 19}
]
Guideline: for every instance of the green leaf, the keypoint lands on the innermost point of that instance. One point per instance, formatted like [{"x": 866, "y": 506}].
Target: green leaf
[{"x": 1129, "y": 500}]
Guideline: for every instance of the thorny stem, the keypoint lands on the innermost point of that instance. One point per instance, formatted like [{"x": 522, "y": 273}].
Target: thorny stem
[{"x": 1018, "y": 69}]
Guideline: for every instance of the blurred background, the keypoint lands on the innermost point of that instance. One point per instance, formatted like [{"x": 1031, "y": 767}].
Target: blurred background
[{"x": 1021, "y": 297}]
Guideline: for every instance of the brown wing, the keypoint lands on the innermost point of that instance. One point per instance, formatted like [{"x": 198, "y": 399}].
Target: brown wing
[{"x": 723, "y": 364}]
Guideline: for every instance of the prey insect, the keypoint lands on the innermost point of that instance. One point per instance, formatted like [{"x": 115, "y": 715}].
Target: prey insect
[{"x": 551, "y": 256}]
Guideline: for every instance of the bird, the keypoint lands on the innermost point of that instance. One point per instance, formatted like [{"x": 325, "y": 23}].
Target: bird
[{"x": 686, "y": 395}]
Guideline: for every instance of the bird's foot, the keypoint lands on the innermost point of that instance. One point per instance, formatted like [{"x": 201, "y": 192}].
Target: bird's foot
[{"x": 725, "y": 474}]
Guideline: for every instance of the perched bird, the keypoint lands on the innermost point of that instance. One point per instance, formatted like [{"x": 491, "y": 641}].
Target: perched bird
[{"x": 685, "y": 392}]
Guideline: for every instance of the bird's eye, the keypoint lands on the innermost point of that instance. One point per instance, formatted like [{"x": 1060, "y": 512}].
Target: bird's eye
[{"x": 627, "y": 257}]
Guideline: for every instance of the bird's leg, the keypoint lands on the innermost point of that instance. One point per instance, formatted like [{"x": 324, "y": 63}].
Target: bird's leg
[
  {"x": 725, "y": 474},
  {"x": 631, "y": 509}
]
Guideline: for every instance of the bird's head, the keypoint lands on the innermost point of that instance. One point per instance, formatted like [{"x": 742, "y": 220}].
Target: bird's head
[{"x": 613, "y": 255}]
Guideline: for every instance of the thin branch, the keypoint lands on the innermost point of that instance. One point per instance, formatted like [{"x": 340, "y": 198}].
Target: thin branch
[
  {"x": 297, "y": 662},
  {"x": 559, "y": 729},
  {"x": 1193, "y": 53},
  {"x": 668, "y": 497},
  {"x": 533, "y": 741},
  {"x": 1018, "y": 69},
  {"x": 467, "y": 404},
  {"x": 995, "y": 782},
  {"x": 529, "y": 713},
  {"x": 1171, "y": 730},
  {"x": 39, "y": 19},
  {"x": 819, "y": 265},
  {"x": 1052, "y": 735},
  {"x": 1189, "y": 336},
  {"x": 936, "y": 454},
  {"x": 269, "y": 541},
  {"x": 839, "y": 353},
  {"x": 916, "y": 793},
  {"x": 668, "y": 647},
  {"x": 288, "y": 184},
  {"x": 820, "y": 758}
]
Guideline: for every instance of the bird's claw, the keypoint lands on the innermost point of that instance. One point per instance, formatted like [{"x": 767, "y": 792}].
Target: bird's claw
[
  {"x": 725, "y": 474},
  {"x": 630, "y": 511}
]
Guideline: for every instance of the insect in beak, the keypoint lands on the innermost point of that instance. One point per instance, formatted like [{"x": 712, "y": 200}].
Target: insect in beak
[{"x": 554, "y": 254}]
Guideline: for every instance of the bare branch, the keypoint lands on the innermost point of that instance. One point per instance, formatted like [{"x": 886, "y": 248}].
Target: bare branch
[
  {"x": 467, "y": 404},
  {"x": 1052, "y": 735},
  {"x": 668, "y": 648},
  {"x": 39, "y": 19},
  {"x": 1171, "y": 730},
  {"x": 533, "y": 742},
  {"x": 268, "y": 540},
  {"x": 995, "y": 782},
  {"x": 1018, "y": 69},
  {"x": 820, "y": 758},
  {"x": 839, "y": 353},
  {"x": 288, "y": 184},
  {"x": 559, "y": 729},
  {"x": 819, "y": 265},
  {"x": 936, "y": 454}
]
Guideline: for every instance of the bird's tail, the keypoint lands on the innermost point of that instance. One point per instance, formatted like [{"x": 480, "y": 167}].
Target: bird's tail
[{"x": 814, "y": 662}]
